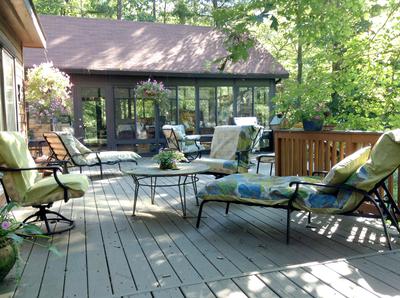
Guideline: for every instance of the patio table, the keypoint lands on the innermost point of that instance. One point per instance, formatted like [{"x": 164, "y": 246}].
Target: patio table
[{"x": 186, "y": 174}]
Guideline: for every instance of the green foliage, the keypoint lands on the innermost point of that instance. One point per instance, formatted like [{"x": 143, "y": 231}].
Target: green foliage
[
  {"x": 341, "y": 54},
  {"x": 168, "y": 158},
  {"x": 48, "y": 91}
]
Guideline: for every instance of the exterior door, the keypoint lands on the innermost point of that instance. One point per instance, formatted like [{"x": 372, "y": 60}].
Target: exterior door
[{"x": 94, "y": 117}]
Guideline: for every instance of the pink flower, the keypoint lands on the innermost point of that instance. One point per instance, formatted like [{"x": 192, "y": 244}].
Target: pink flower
[{"x": 5, "y": 225}]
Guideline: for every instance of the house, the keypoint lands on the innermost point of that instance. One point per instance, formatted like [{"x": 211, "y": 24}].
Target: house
[
  {"x": 107, "y": 58},
  {"x": 19, "y": 27}
]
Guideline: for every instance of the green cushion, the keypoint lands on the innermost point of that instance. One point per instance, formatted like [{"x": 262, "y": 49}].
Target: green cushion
[
  {"x": 14, "y": 153},
  {"x": 343, "y": 169},
  {"x": 384, "y": 159},
  {"x": 47, "y": 189}
]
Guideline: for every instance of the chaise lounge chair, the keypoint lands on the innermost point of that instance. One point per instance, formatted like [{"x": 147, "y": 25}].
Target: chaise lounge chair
[
  {"x": 25, "y": 185},
  {"x": 358, "y": 178},
  {"x": 64, "y": 146}
]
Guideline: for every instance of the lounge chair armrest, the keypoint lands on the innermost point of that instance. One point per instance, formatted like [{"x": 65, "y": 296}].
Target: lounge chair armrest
[
  {"x": 337, "y": 187},
  {"x": 53, "y": 168}
]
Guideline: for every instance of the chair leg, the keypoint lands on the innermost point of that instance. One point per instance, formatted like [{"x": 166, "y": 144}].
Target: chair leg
[
  {"x": 199, "y": 214},
  {"x": 270, "y": 169},
  {"x": 309, "y": 218},
  {"x": 258, "y": 165},
  {"x": 80, "y": 169},
  {"x": 383, "y": 223},
  {"x": 101, "y": 171},
  {"x": 288, "y": 224},
  {"x": 227, "y": 208}
]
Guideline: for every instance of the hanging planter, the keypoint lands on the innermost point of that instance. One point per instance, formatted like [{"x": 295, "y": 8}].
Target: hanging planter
[{"x": 152, "y": 90}]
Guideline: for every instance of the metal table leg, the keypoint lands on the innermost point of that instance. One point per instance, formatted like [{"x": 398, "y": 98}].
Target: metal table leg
[
  {"x": 153, "y": 187},
  {"x": 135, "y": 194},
  {"x": 182, "y": 197},
  {"x": 194, "y": 183}
]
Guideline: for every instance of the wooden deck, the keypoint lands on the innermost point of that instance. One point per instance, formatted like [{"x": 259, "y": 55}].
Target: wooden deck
[{"x": 158, "y": 253}]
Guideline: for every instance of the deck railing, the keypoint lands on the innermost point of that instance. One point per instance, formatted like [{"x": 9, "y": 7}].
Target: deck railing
[{"x": 304, "y": 152}]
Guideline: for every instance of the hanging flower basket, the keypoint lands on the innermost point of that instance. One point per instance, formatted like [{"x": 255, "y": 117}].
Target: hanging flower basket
[{"x": 152, "y": 90}]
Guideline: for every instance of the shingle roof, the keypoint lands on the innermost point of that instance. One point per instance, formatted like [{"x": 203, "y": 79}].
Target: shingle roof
[{"x": 82, "y": 44}]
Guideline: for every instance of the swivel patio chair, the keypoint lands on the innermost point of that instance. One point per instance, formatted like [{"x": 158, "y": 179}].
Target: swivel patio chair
[
  {"x": 360, "y": 177},
  {"x": 25, "y": 185},
  {"x": 176, "y": 139},
  {"x": 65, "y": 147},
  {"x": 230, "y": 149}
]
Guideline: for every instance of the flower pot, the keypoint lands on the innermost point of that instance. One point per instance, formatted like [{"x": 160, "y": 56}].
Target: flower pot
[
  {"x": 8, "y": 257},
  {"x": 313, "y": 125},
  {"x": 168, "y": 165}
]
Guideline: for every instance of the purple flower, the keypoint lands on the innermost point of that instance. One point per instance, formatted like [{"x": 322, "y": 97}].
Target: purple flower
[{"x": 5, "y": 225}]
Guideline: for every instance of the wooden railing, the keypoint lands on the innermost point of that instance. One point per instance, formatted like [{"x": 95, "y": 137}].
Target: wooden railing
[{"x": 304, "y": 152}]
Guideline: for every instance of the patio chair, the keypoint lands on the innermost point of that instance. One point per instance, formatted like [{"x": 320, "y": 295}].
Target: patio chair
[
  {"x": 230, "y": 149},
  {"x": 64, "y": 146},
  {"x": 25, "y": 185},
  {"x": 177, "y": 139},
  {"x": 251, "y": 121},
  {"x": 360, "y": 177}
]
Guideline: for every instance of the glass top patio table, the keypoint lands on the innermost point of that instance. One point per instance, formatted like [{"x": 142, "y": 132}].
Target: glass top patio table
[{"x": 186, "y": 174}]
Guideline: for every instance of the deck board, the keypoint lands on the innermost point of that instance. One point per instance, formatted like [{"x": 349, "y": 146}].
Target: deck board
[{"x": 157, "y": 253}]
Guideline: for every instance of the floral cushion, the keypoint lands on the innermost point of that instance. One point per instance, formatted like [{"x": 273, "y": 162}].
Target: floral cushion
[
  {"x": 271, "y": 191},
  {"x": 343, "y": 169},
  {"x": 222, "y": 166},
  {"x": 191, "y": 146}
]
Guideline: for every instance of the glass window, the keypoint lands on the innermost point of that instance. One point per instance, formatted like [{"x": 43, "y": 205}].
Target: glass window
[
  {"x": 168, "y": 111},
  {"x": 124, "y": 113},
  {"x": 187, "y": 108},
  {"x": 245, "y": 102},
  {"x": 207, "y": 110},
  {"x": 10, "y": 101},
  {"x": 225, "y": 105},
  {"x": 261, "y": 105},
  {"x": 146, "y": 121},
  {"x": 94, "y": 116}
]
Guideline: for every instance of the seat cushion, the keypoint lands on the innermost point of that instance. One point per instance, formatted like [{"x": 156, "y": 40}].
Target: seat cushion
[
  {"x": 189, "y": 147},
  {"x": 112, "y": 157},
  {"x": 345, "y": 168},
  {"x": 271, "y": 191},
  {"x": 254, "y": 188},
  {"x": 47, "y": 189},
  {"x": 222, "y": 166}
]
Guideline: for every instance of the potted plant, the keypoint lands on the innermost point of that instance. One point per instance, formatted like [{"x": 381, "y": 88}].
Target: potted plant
[
  {"x": 168, "y": 159},
  {"x": 48, "y": 93},
  {"x": 152, "y": 90},
  {"x": 306, "y": 103},
  {"x": 12, "y": 234}
]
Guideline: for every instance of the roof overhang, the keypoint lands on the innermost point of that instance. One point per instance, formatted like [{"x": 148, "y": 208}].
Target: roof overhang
[
  {"x": 175, "y": 74},
  {"x": 20, "y": 16}
]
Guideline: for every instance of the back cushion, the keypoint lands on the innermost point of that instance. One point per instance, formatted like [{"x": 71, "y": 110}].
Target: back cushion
[
  {"x": 345, "y": 168},
  {"x": 14, "y": 153}
]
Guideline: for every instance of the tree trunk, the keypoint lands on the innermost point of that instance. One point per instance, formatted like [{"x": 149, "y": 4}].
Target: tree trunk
[
  {"x": 154, "y": 10},
  {"x": 215, "y": 4},
  {"x": 299, "y": 62},
  {"x": 119, "y": 10},
  {"x": 165, "y": 12}
]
